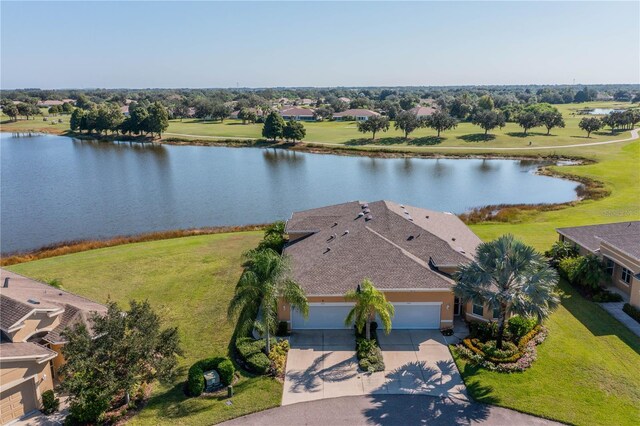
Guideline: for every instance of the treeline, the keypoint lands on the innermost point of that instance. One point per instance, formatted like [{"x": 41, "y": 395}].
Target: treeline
[
  {"x": 615, "y": 120},
  {"x": 143, "y": 118}
]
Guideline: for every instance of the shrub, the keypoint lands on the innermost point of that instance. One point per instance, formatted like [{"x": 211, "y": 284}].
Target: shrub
[
  {"x": 369, "y": 355},
  {"x": 283, "y": 329},
  {"x": 278, "y": 357},
  {"x": 632, "y": 311},
  {"x": 519, "y": 326},
  {"x": 50, "y": 403},
  {"x": 561, "y": 250},
  {"x": 252, "y": 353},
  {"x": 606, "y": 296},
  {"x": 508, "y": 349},
  {"x": 195, "y": 378},
  {"x": 483, "y": 331},
  {"x": 590, "y": 272},
  {"x": 568, "y": 268}
]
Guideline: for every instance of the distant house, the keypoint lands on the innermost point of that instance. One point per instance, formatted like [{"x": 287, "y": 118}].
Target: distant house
[
  {"x": 358, "y": 114},
  {"x": 343, "y": 99},
  {"x": 306, "y": 101},
  {"x": 125, "y": 110},
  {"x": 298, "y": 114},
  {"x": 235, "y": 113},
  {"x": 422, "y": 111},
  {"x": 69, "y": 101},
  {"x": 49, "y": 103},
  {"x": 618, "y": 245},
  {"x": 34, "y": 316}
]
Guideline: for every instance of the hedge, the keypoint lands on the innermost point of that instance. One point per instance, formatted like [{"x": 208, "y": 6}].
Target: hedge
[
  {"x": 522, "y": 344},
  {"x": 632, "y": 311},
  {"x": 252, "y": 353},
  {"x": 195, "y": 380}
]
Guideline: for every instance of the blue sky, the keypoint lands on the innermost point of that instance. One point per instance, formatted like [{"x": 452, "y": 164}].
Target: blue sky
[{"x": 216, "y": 44}]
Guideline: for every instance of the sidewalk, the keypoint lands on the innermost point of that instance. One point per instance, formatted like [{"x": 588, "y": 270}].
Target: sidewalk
[{"x": 615, "y": 309}]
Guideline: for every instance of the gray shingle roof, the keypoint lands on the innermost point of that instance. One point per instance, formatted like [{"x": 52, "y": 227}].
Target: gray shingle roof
[
  {"x": 25, "y": 350},
  {"x": 624, "y": 236},
  {"x": 391, "y": 250}
]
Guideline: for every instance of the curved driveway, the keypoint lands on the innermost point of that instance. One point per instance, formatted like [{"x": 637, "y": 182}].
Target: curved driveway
[{"x": 388, "y": 410}]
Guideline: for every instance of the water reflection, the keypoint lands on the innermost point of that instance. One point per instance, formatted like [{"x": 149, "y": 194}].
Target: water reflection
[{"x": 275, "y": 157}]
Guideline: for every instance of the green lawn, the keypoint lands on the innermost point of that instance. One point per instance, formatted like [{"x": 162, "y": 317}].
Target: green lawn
[
  {"x": 586, "y": 372},
  {"x": 189, "y": 281}
]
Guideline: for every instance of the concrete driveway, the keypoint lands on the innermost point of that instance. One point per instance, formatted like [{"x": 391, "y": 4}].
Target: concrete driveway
[{"x": 322, "y": 364}]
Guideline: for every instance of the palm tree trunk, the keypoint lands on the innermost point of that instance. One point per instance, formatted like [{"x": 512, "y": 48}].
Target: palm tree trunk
[
  {"x": 501, "y": 325},
  {"x": 368, "y": 330},
  {"x": 268, "y": 341}
]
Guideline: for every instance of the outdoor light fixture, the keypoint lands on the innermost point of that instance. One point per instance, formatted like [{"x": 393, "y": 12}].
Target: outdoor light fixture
[{"x": 448, "y": 307}]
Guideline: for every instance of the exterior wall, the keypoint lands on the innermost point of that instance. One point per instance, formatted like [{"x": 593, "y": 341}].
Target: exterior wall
[
  {"x": 37, "y": 322},
  {"x": 634, "y": 297},
  {"x": 446, "y": 297},
  {"x": 58, "y": 361},
  {"x": 487, "y": 314},
  {"x": 18, "y": 371},
  {"x": 581, "y": 250}
]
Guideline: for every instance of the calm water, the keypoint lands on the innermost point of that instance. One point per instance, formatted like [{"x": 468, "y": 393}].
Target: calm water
[
  {"x": 603, "y": 111},
  {"x": 55, "y": 188}
]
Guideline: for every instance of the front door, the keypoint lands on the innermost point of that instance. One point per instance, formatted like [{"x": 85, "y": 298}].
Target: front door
[{"x": 457, "y": 306}]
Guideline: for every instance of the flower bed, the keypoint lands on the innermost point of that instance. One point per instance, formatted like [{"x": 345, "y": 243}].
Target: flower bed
[{"x": 511, "y": 359}]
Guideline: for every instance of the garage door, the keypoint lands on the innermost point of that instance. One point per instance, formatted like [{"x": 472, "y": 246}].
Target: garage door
[
  {"x": 416, "y": 315},
  {"x": 17, "y": 401},
  {"x": 322, "y": 316}
]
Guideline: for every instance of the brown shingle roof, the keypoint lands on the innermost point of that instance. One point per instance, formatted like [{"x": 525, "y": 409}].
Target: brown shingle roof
[
  {"x": 22, "y": 292},
  {"x": 295, "y": 111},
  {"x": 624, "y": 236},
  {"x": 391, "y": 250},
  {"x": 422, "y": 111},
  {"x": 356, "y": 113},
  {"x": 25, "y": 350}
]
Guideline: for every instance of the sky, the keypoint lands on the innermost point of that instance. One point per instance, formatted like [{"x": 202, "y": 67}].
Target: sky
[{"x": 52, "y": 44}]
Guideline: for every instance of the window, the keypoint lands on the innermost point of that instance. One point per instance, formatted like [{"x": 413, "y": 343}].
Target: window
[
  {"x": 626, "y": 275},
  {"x": 478, "y": 310},
  {"x": 496, "y": 313},
  {"x": 609, "y": 266}
]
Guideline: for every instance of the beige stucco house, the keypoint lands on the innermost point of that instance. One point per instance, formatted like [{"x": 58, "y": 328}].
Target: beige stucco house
[
  {"x": 33, "y": 316},
  {"x": 618, "y": 244},
  {"x": 409, "y": 253}
]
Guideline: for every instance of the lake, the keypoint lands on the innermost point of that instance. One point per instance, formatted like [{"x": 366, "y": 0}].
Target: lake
[{"x": 55, "y": 188}]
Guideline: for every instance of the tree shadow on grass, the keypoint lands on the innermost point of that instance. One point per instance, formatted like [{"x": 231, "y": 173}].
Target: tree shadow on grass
[
  {"x": 426, "y": 141},
  {"x": 378, "y": 141},
  {"x": 598, "y": 321},
  {"x": 477, "y": 137},
  {"x": 525, "y": 135}
]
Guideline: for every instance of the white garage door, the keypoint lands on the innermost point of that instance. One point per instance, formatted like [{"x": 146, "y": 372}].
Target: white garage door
[
  {"x": 416, "y": 315},
  {"x": 322, "y": 316}
]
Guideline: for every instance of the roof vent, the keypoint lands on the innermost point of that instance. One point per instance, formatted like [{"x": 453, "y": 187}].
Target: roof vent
[
  {"x": 330, "y": 238},
  {"x": 368, "y": 217},
  {"x": 367, "y": 211},
  {"x": 411, "y": 237},
  {"x": 6, "y": 282},
  {"x": 453, "y": 238},
  {"x": 402, "y": 205},
  {"x": 346, "y": 232},
  {"x": 427, "y": 216},
  {"x": 406, "y": 212},
  {"x": 365, "y": 206},
  {"x": 334, "y": 224},
  {"x": 461, "y": 250},
  {"x": 327, "y": 250},
  {"x": 360, "y": 214},
  {"x": 34, "y": 301}
]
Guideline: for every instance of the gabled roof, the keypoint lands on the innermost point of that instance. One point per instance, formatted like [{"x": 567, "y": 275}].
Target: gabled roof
[
  {"x": 357, "y": 112},
  {"x": 624, "y": 236},
  {"x": 25, "y": 351},
  {"x": 396, "y": 250},
  {"x": 422, "y": 111},
  {"x": 25, "y": 296},
  {"x": 295, "y": 111}
]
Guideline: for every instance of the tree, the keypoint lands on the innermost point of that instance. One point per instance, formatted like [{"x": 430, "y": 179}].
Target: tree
[
  {"x": 27, "y": 110},
  {"x": 54, "y": 110},
  {"x": 582, "y": 95},
  {"x": 551, "y": 119},
  {"x": 83, "y": 102},
  {"x": 590, "y": 271},
  {"x": 11, "y": 110},
  {"x": 273, "y": 126},
  {"x": 408, "y": 102},
  {"x": 75, "y": 121},
  {"x": 407, "y": 122},
  {"x": 323, "y": 113},
  {"x": 508, "y": 276},
  {"x": 633, "y": 116},
  {"x": 488, "y": 120},
  {"x": 123, "y": 350},
  {"x": 613, "y": 120},
  {"x": 67, "y": 108},
  {"x": 369, "y": 301},
  {"x": 265, "y": 280},
  {"x": 138, "y": 116},
  {"x": 374, "y": 124},
  {"x": 441, "y": 121},
  {"x": 528, "y": 120},
  {"x": 158, "y": 119},
  {"x": 220, "y": 111},
  {"x": 590, "y": 124},
  {"x": 485, "y": 102},
  {"x": 294, "y": 131},
  {"x": 181, "y": 110},
  {"x": 247, "y": 115}
]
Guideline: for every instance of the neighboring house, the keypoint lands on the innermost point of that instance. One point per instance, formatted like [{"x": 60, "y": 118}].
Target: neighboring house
[
  {"x": 298, "y": 114},
  {"x": 409, "y": 253},
  {"x": 258, "y": 111},
  {"x": 49, "y": 103},
  {"x": 344, "y": 99},
  {"x": 618, "y": 244},
  {"x": 422, "y": 111},
  {"x": 125, "y": 110},
  {"x": 358, "y": 114},
  {"x": 33, "y": 318},
  {"x": 306, "y": 101}
]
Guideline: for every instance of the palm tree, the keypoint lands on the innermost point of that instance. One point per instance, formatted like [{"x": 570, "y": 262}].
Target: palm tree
[
  {"x": 265, "y": 280},
  {"x": 369, "y": 302},
  {"x": 511, "y": 277}
]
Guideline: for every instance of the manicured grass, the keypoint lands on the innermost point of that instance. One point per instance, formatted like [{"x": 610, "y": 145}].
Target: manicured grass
[
  {"x": 586, "y": 372},
  {"x": 189, "y": 282}
]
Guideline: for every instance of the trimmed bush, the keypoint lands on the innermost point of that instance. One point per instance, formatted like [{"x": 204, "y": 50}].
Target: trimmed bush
[
  {"x": 252, "y": 353},
  {"x": 606, "y": 296},
  {"x": 278, "y": 357},
  {"x": 519, "y": 326},
  {"x": 632, "y": 311},
  {"x": 50, "y": 403},
  {"x": 195, "y": 379},
  {"x": 369, "y": 355},
  {"x": 568, "y": 268}
]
